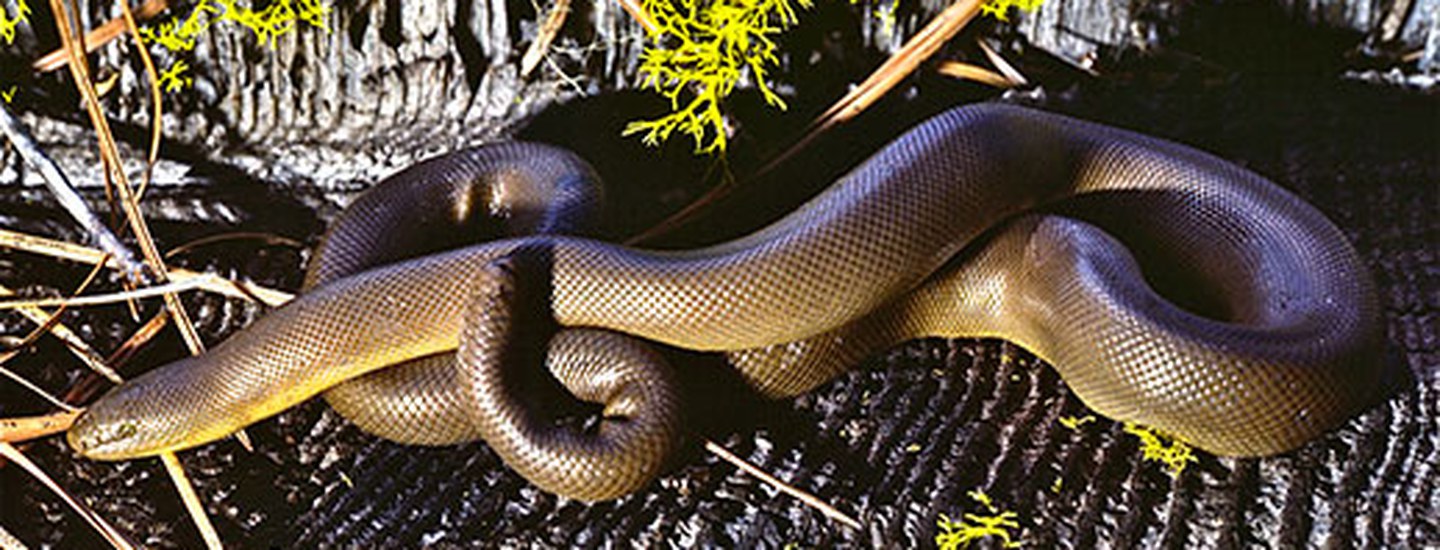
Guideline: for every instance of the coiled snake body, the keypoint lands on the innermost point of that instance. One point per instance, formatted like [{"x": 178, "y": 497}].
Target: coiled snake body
[{"x": 1278, "y": 340}]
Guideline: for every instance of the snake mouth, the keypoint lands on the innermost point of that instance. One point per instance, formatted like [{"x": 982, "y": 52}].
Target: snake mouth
[{"x": 99, "y": 441}]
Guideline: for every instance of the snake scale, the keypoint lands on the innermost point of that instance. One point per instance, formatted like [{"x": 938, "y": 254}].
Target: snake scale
[{"x": 981, "y": 221}]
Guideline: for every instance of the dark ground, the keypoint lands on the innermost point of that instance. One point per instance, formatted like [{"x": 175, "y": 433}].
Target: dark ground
[{"x": 984, "y": 414}]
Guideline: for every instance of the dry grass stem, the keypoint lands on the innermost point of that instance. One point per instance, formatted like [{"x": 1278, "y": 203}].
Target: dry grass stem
[
  {"x": 99, "y": 37},
  {"x": 15, "y": 430},
  {"x": 37, "y": 390},
  {"x": 807, "y": 498},
  {"x": 112, "y": 297},
  {"x": 35, "y": 244},
  {"x": 915, "y": 51},
  {"x": 156, "y": 101},
  {"x": 106, "y": 531},
  {"x": 191, "y": 500},
  {"x": 548, "y": 30},
  {"x": 64, "y": 192},
  {"x": 79, "y": 347},
  {"x": 974, "y": 73},
  {"x": 115, "y": 170},
  {"x": 1011, "y": 73},
  {"x": 638, "y": 13}
]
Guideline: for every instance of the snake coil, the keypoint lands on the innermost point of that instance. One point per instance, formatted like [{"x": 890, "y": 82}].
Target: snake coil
[{"x": 982, "y": 221}]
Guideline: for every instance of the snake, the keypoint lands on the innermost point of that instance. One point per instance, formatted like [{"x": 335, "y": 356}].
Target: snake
[{"x": 1167, "y": 286}]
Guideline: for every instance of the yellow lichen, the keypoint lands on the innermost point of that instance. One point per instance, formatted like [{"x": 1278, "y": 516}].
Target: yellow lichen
[
  {"x": 173, "y": 79},
  {"x": 268, "y": 24},
  {"x": 1075, "y": 423},
  {"x": 8, "y": 25},
  {"x": 699, "y": 52},
  {"x": 954, "y": 535},
  {"x": 998, "y": 8},
  {"x": 1155, "y": 447}
]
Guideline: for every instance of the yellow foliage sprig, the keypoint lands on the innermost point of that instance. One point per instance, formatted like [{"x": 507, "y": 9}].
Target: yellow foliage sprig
[
  {"x": 954, "y": 535},
  {"x": 9, "y": 25},
  {"x": 1175, "y": 454},
  {"x": 997, "y": 8},
  {"x": 698, "y": 52},
  {"x": 268, "y": 25}
]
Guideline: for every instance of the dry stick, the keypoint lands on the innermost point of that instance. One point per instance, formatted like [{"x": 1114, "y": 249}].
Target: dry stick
[
  {"x": 807, "y": 498},
  {"x": 541, "y": 46},
  {"x": 884, "y": 78},
  {"x": 65, "y": 193},
  {"x": 106, "y": 530},
  {"x": 67, "y": 251},
  {"x": 915, "y": 51},
  {"x": 98, "y": 37},
  {"x": 5, "y": 358},
  {"x": 108, "y": 297},
  {"x": 115, "y": 175},
  {"x": 638, "y": 13},
  {"x": 1011, "y": 73},
  {"x": 191, "y": 500},
  {"x": 115, "y": 169},
  {"x": 82, "y": 350},
  {"x": 156, "y": 101},
  {"x": 15, "y": 430},
  {"x": 966, "y": 71}
]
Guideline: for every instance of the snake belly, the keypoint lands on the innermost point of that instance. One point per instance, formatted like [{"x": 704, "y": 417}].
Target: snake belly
[{"x": 1283, "y": 344}]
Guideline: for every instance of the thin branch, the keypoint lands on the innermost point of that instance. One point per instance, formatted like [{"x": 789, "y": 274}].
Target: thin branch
[
  {"x": 212, "y": 283},
  {"x": 807, "y": 498},
  {"x": 915, "y": 51},
  {"x": 15, "y": 430},
  {"x": 65, "y": 193},
  {"x": 974, "y": 73},
  {"x": 108, "y": 297},
  {"x": 99, "y": 37},
  {"x": 548, "y": 30},
  {"x": 108, "y": 532},
  {"x": 78, "y": 346},
  {"x": 5, "y": 358},
  {"x": 191, "y": 500},
  {"x": 884, "y": 78},
  {"x": 1011, "y": 73}
]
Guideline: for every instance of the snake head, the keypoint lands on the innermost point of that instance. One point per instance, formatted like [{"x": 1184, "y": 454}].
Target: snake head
[{"x": 133, "y": 420}]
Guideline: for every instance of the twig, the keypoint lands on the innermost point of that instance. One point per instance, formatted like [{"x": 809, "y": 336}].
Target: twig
[
  {"x": 109, "y": 297},
  {"x": 975, "y": 73},
  {"x": 191, "y": 500},
  {"x": 915, "y": 51},
  {"x": 212, "y": 283},
  {"x": 15, "y": 430},
  {"x": 82, "y": 350},
  {"x": 65, "y": 193},
  {"x": 903, "y": 62},
  {"x": 5, "y": 358},
  {"x": 115, "y": 170},
  {"x": 537, "y": 50},
  {"x": 637, "y": 12},
  {"x": 106, "y": 531},
  {"x": 99, "y": 37},
  {"x": 807, "y": 498},
  {"x": 1011, "y": 73},
  {"x": 9, "y": 542},
  {"x": 157, "y": 102}
]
